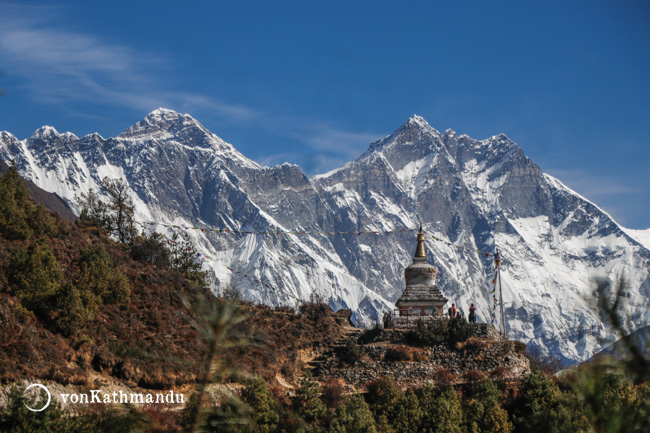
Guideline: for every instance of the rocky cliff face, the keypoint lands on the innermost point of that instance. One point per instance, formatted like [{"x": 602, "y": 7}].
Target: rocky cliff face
[{"x": 474, "y": 193}]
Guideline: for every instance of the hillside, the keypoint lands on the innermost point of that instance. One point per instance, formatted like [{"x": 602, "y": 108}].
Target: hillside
[
  {"x": 149, "y": 336},
  {"x": 51, "y": 201}
]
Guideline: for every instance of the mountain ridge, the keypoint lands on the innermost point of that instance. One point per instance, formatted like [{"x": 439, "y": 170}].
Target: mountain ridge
[{"x": 475, "y": 193}]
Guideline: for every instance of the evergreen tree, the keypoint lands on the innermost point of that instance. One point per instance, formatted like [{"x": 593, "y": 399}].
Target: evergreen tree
[
  {"x": 408, "y": 414},
  {"x": 37, "y": 275},
  {"x": 99, "y": 276},
  {"x": 383, "y": 397},
  {"x": 265, "y": 409},
  {"x": 442, "y": 411},
  {"x": 353, "y": 416},
  {"x": 541, "y": 407},
  {"x": 75, "y": 308},
  {"x": 610, "y": 401},
  {"x": 394, "y": 410},
  {"x": 19, "y": 217},
  {"x": 484, "y": 414},
  {"x": 185, "y": 261},
  {"x": 151, "y": 249},
  {"x": 42, "y": 222},
  {"x": 307, "y": 401},
  {"x": 13, "y": 218},
  {"x": 639, "y": 419}
]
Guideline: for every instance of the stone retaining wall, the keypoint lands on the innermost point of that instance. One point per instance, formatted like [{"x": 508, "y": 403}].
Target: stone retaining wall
[{"x": 487, "y": 356}]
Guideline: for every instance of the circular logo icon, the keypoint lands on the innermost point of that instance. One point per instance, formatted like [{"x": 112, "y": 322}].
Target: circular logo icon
[{"x": 44, "y": 388}]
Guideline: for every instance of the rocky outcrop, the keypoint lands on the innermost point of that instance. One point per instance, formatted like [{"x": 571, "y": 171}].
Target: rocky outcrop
[{"x": 380, "y": 350}]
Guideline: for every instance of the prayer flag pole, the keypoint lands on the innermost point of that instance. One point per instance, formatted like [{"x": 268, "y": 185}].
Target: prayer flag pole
[{"x": 497, "y": 261}]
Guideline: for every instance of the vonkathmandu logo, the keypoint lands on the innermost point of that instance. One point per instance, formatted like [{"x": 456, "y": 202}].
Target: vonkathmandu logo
[
  {"x": 119, "y": 397},
  {"x": 44, "y": 388}
]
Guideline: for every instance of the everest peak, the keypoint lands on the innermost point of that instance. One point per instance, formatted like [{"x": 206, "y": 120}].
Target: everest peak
[
  {"x": 162, "y": 115},
  {"x": 161, "y": 121}
]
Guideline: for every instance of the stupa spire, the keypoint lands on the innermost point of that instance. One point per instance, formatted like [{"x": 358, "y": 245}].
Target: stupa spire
[{"x": 420, "y": 250}]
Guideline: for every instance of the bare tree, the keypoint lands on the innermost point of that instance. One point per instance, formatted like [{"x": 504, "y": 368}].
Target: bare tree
[
  {"x": 122, "y": 208},
  {"x": 115, "y": 216}
]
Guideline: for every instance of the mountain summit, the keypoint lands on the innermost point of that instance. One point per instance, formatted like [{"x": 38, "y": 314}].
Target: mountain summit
[
  {"x": 161, "y": 122},
  {"x": 478, "y": 194}
]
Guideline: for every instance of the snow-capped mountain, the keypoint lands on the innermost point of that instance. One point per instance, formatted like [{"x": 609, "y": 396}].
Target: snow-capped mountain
[{"x": 478, "y": 194}]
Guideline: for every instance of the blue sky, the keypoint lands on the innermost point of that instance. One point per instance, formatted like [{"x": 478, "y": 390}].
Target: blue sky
[{"x": 314, "y": 83}]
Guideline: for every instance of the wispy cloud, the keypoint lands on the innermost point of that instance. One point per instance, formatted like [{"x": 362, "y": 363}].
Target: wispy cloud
[
  {"x": 65, "y": 67},
  {"x": 59, "y": 65},
  {"x": 325, "y": 138},
  {"x": 325, "y": 146}
]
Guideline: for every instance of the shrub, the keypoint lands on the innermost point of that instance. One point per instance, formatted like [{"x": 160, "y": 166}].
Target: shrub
[
  {"x": 315, "y": 310},
  {"x": 333, "y": 391},
  {"x": 351, "y": 353},
  {"x": 151, "y": 249},
  {"x": 444, "y": 377},
  {"x": 472, "y": 345},
  {"x": 519, "y": 347},
  {"x": 420, "y": 356},
  {"x": 435, "y": 332},
  {"x": 500, "y": 374},
  {"x": 369, "y": 335},
  {"x": 432, "y": 333},
  {"x": 459, "y": 330},
  {"x": 472, "y": 377},
  {"x": 398, "y": 353}
]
